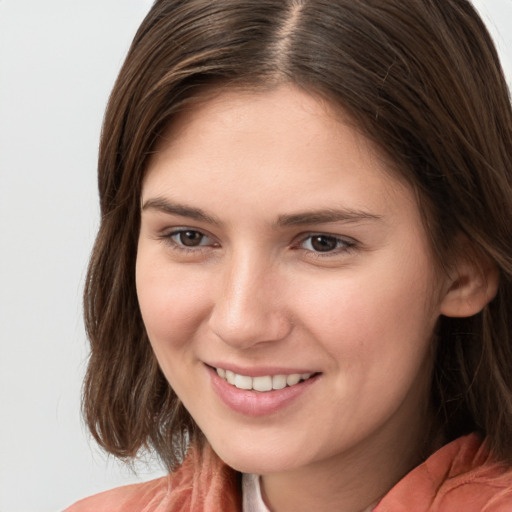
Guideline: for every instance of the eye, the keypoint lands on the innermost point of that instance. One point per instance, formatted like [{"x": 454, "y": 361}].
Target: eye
[
  {"x": 190, "y": 238},
  {"x": 325, "y": 243}
]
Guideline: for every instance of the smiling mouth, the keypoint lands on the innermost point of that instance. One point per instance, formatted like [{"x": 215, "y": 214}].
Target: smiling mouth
[{"x": 263, "y": 383}]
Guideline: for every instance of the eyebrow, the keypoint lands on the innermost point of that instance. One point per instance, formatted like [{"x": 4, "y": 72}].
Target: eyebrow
[
  {"x": 182, "y": 210},
  {"x": 326, "y": 216},
  {"x": 295, "y": 219}
]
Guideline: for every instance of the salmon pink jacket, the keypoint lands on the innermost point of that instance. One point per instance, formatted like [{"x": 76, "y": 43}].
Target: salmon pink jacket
[{"x": 460, "y": 477}]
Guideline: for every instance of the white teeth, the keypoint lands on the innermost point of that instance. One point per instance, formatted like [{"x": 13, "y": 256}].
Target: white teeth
[
  {"x": 263, "y": 383},
  {"x": 278, "y": 381},
  {"x": 293, "y": 379},
  {"x": 243, "y": 382},
  {"x": 230, "y": 377}
]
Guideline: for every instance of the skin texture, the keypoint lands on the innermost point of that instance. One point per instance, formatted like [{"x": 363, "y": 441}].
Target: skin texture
[{"x": 255, "y": 293}]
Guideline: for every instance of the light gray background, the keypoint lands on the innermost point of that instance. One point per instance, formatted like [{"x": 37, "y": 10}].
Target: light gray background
[{"x": 58, "y": 62}]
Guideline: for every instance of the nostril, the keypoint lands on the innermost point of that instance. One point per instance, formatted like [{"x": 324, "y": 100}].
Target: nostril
[{"x": 246, "y": 329}]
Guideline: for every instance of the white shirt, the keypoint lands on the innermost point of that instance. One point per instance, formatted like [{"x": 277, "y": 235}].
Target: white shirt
[{"x": 251, "y": 494}]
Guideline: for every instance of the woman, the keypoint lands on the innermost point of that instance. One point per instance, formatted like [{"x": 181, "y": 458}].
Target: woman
[{"x": 300, "y": 293}]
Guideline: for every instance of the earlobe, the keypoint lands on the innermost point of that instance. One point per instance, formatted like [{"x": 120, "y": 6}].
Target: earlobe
[{"x": 472, "y": 286}]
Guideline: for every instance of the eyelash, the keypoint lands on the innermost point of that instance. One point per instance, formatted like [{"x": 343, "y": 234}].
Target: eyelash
[{"x": 343, "y": 244}]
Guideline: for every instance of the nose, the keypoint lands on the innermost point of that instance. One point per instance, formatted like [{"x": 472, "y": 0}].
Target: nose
[{"x": 249, "y": 306}]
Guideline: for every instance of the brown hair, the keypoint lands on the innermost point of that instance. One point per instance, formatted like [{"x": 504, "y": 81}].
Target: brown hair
[{"x": 421, "y": 79}]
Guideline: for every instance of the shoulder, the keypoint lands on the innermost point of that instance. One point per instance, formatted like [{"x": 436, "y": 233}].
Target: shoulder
[
  {"x": 144, "y": 497},
  {"x": 203, "y": 482},
  {"x": 462, "y": 475}
]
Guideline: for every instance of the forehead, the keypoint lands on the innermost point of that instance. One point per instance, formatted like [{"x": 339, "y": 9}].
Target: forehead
[
  {"x": 260, "y": 124},
  {"x": 281, "y": 148}
]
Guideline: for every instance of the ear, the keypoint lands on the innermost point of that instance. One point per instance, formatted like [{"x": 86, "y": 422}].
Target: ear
[{"x": 472, "y": 284}]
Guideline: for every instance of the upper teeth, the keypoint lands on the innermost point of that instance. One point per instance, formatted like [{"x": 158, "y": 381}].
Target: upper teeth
[{"x": 264, "y": 383}]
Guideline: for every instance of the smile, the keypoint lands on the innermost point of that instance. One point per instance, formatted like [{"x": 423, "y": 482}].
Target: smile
[{"x": 263, "y": 383}]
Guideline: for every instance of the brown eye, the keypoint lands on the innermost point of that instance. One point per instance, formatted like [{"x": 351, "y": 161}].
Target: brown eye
[
  {"x": 323, "y": 243},
  {"x": 190, "y": 238},
  {"x": 326, "y": 243}
]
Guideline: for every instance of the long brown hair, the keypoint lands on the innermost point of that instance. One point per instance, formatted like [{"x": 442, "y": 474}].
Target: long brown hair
[{"x": 420, "y": 78}]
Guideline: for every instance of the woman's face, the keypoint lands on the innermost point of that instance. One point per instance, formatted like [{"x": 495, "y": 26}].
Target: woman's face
[{"x": 275, "y": 246}]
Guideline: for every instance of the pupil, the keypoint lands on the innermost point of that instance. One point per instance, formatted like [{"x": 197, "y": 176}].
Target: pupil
[
  {"x": 323, "y": 243},
  {"x": 191, "y": 238}
]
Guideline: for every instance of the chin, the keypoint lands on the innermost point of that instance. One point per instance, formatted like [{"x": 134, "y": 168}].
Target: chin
[{"x": 258, "y": 459}]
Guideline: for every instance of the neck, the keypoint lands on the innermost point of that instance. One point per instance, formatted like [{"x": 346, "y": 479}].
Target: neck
[{"x": 352, "y": 481}]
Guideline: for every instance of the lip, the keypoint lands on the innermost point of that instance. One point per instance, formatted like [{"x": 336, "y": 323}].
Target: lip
[{"x": 255, "y": 403}]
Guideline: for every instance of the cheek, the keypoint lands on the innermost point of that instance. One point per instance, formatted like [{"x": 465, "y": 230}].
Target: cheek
[
  {"x": 377, "y": 318},
  {"x": 377, "y": 333},
  {"x": 172, "y": 303}
]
